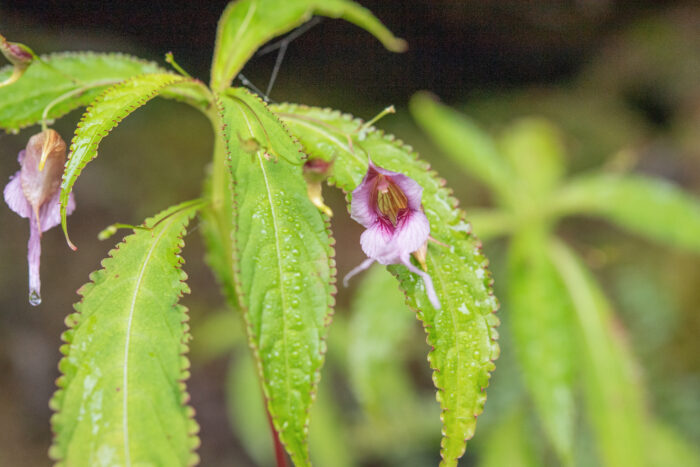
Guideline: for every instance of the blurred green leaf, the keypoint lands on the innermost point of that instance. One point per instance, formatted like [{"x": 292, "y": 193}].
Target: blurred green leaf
[
  {"x": 283, "y": 264},
  {"x": 63, "y": 82},
  {"x": 649, "y": 207},
  {"x": 462, "y": 333},
  {"x": 509, "y": 444},
  {"x": 122, "y": 399},
  {"x": 614, "y": 398},
  {"x": 245, "y": 25},
  {"x": 217, "y": 227},
  {"x": 541, "y": 319},
  {"x": 379, "y": 326},
  {"x": 215, "y": 335},
  {"x": 327, "y": 432},
  {"x": 490, "y": 223},
  {"x": 463, "y": 141},
  {"x": 103, "y": 115},
  {"x": 246, "y": 408},
  {"x": 535, "y": 150},
  {"x": 669, "y": 448}
]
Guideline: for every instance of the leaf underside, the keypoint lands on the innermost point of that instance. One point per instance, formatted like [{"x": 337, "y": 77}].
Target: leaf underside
[
  {"x": 462, "y": 334},
  {"x": 78, "y": 76},
  {"x": 105, "y": 113},
  {"x": 246, "y": 25},
  {"x": 121, "y": 399},
  {"x": 284, "y": 270}
]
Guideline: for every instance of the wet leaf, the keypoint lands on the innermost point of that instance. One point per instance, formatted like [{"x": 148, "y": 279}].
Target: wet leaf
[
  {"x": 283, "y": 266},
  {"x": 121, "y": 399},
  {"x": 462, "y": 334}
]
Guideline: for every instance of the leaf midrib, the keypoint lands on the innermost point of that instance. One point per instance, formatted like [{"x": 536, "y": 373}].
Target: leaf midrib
[
  {"x": 326, "y": 134},
  {"x": 127, "y": 341},
  {"x": 279, "y": 259}
]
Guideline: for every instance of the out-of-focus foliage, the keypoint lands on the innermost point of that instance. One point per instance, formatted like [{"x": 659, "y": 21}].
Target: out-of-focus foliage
[
  {"x": 632, "y": 108},
  {"x": 563, "y": 327}
]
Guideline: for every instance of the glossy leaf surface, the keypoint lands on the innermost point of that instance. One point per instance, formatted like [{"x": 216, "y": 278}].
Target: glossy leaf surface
[
  {"x": 462, "y": 334},
  {"x": 247, "y": 24},
  {"x": 103, "y": 115},
  {"x": 121, "y": 399},
  {"x": 63, "y": 82},
  {"x": 649, "y": 207},
  {"x": 284, "y": 271}
]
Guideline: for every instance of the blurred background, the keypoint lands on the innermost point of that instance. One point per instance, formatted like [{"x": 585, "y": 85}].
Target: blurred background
[{"x": 620, "y": 80}]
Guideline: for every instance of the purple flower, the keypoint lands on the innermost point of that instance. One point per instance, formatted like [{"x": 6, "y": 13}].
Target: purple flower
[
  {"x": 388, "y": 205},
  {"x": 33, "y": 192}
]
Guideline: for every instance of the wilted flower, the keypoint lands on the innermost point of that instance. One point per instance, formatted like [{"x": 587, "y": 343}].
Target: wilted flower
[
  {"x": 19, "y": 55},
  {"x": 33, "y": 192},
  {"x": 388, "y": 205}
]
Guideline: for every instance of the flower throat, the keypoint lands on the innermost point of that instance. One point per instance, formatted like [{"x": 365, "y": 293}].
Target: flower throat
[{"x": 390, "y": 198}]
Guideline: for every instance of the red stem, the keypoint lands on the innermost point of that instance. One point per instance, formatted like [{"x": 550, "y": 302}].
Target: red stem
[{"x": 280, "y": 454}]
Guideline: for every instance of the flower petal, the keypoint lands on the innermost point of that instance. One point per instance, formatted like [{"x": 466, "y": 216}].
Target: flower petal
[
  {"x": 411, "y": 232},
  {"x": 427, "y": 281},
  {"x": 34, "y": 259},
  {"x": 14, "y": 196},
  {"x": 50, "y": 212},
  {"x": 356, "y": 270},
  {"x": 361, "y": 208},
  {"x": 377, "y": 243}
]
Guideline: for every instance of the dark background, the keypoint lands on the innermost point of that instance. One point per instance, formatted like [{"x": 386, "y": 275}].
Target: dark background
[{"x": 469, "y": 53}]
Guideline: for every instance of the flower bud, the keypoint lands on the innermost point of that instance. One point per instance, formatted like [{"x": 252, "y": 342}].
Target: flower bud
[{"x": 19, "y": 55}]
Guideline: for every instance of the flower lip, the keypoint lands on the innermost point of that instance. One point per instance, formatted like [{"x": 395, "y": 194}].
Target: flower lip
[
  {"x": 34, "y": 193},
  {"x": 388, "y": 204}
]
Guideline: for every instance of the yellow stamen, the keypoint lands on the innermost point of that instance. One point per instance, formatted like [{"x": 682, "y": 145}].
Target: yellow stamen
[{"x": 390, "y": 199}]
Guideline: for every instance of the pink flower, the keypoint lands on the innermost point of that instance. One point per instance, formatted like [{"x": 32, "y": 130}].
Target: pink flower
[
  {"x": 33, "y": 192},
  {"x": 388, "y": 204}
]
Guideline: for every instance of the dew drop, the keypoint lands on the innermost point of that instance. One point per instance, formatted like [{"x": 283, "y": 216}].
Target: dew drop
[{"x": 34, "y": 298}]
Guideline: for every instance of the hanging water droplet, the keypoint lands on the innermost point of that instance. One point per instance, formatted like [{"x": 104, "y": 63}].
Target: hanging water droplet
[{"x": 34, "y": 298}]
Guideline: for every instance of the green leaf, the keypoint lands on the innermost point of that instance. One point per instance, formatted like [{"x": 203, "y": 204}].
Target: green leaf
[
  {"x": 647, "y": 206},
  {"x": 59, "y": 83},
  {"x": 491, "y": 223},
  {"x": 284, "y": 269},
  {"x": 509, "y": 444},
  {"x": 121, "y": 399},
  {"x": 100, "y": 118},
  {"x": 462, "y": 334},
  {"x": 614, "y": 399},
  {"x": 217, "y": 227},
  {"x": 464, "y": 142},
  {"x": 542, "y": 325},
  {"x": 670, "y": 448},
  {"x": 535, "y": 150},
  {"x": 380, "y": 325},
  {"x": 246, "y": 409},
  {"x": 245, "y": 25}
]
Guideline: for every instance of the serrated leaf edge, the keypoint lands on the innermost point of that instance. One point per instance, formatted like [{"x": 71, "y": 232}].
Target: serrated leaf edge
[
  {"x": 87, "y": 54},
  {"x": 73, "y": 320},
  {"x": 236, "y": 274},
  {"x": 67, "y": 183},
  {"x": 461, "y": 215}
]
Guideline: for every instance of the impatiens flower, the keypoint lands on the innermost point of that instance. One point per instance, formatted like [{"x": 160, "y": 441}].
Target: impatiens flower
[
  {"x": 19, "y": 55},
  {"x": 33, "y": 192},
  {"x": 388, "y": 205}
]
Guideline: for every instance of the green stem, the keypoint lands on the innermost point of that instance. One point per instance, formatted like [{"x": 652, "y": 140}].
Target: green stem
[
  {"x": 68, "y": 95},
  {"x": 219, "y": 170}
]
